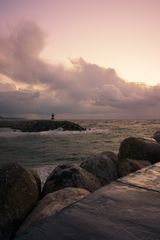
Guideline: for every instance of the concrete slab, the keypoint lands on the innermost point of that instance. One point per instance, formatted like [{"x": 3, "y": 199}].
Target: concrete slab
[
  {"x": 115, "y": 212},
  {"x": 148, "y": 178}
]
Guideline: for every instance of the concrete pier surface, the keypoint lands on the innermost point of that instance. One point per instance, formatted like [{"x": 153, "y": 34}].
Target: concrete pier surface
[{"x": 127, "y": 209}]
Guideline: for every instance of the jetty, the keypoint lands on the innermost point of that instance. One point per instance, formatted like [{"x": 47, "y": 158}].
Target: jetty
[
  {"x": 40, "y": 125},
  {"x": 126, "y": 209}
]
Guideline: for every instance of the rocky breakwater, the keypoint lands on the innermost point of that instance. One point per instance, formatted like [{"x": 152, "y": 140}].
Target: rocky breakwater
[
  {"x": 19, "y": 193},
  {"x": 66, "y": 185},
  {"x": 40, "y": 125}
]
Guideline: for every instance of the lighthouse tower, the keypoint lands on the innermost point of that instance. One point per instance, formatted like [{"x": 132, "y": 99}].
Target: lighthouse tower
[{"x": 52, "y": 116}]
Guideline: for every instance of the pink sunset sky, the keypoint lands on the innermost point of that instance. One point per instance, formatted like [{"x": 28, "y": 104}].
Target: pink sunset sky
[{"x": 80, "y": 59}]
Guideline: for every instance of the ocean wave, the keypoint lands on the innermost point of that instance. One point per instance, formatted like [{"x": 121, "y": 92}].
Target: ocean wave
[{"x": 7, "y": 132}]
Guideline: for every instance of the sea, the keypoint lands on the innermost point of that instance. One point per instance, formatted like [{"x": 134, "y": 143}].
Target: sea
[{"x": 45, "y": 150}]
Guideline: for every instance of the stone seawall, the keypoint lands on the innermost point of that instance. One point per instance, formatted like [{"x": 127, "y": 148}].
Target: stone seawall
[
  {"x": 104, "y": 197},
  {"x": 127, "y": 209},
  {"x": 40, "y": 125}
]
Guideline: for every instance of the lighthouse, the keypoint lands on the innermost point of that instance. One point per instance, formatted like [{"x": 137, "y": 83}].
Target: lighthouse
[{"x": 52, "y": 116}]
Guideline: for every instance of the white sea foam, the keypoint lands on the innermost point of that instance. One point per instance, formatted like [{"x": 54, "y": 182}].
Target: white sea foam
[{"x": 7, "y": 132}]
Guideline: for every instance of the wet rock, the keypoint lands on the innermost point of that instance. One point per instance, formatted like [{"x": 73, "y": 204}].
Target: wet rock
[
  {"x": 103, "y": 166},
  {"x": 127, "y": 166},
  {"x": 37, "y": 178},
  {"x": 68, "y": 175},
  {"x": 140, "y": 149},
  {"x": 156, "y": 136},
  {"x": 41, "y": 125},
  {"x": 51, "y": 204},
  {"x": 18, "y": 195},
  {"x": 111, "y": 155}
]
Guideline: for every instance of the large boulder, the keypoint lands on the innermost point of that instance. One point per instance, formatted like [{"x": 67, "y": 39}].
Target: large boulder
[
  {"x": 68, "y": 175},
  {"x": 18, "y": 195},
  {"x": 37, "y": 178},
  {"x": 127, "y": 166},
  {"x": 51, "y": 204},
  {"x": 140, "y": 149},
  {"x": 108, "y": 154},
  {"x": 156, "y": 136},
  {"x": 103, "y": 166}
]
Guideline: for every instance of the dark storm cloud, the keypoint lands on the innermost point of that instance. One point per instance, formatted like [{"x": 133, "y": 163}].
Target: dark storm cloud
[
  {"x": 17, "y": 101},
  {"x": 86, "y": 89}
]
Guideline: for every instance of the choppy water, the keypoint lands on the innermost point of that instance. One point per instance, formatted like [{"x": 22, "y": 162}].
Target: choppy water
[{"x": 44, "y": 150}]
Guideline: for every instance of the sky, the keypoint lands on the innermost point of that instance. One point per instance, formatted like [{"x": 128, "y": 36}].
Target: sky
[{"x": 80, "y": 59}]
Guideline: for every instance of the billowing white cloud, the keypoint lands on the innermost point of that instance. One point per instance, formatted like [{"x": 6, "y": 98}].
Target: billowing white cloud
[{"x": 37, "y": 87}]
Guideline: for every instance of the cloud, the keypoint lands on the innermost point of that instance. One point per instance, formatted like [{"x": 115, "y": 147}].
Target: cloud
[
  {"x": 36, "y": 87},
  {"x": 17, "y": 101},
  {"x": 5, "y": 87}
]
